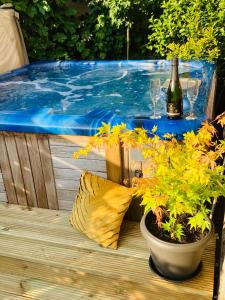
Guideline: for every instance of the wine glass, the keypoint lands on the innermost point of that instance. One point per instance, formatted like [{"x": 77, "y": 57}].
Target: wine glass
[
  {"x": 155, "y": 90},
  {"x": 192, "y": 94}
]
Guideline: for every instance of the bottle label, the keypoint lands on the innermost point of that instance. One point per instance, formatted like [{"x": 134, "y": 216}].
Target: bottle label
[{"x": 173, "y": 110}]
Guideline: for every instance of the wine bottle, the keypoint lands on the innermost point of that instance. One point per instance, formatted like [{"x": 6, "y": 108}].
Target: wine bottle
[{"x": 174, "y": 94}]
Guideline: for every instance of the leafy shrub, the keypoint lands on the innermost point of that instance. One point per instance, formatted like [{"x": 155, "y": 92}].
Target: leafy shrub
[
  {"x": 98, "y": 37},
  {"x": 186, "y": 181},
  {"x": 185, "y": 28},
  {"x": 132, "y": 15},
  {"x": 192, "y": 29},
  {"x": 49, "y": 27},
  {"x": 52, "y": 30}
]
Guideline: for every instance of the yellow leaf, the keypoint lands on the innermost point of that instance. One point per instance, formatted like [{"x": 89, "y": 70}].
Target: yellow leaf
[
  {"x": 168, "y": 136},
  {"x": 154, "y": 129},
  {"x": 221, "y": 119}
]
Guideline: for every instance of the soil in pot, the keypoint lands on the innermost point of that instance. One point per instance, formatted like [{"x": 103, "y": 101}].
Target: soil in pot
[{"x": 190, "y": 235}]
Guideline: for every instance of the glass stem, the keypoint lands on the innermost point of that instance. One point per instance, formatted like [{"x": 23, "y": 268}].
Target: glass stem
[
  {"x": 191, "y": 107},
  {"x": 154, "y": 108}
]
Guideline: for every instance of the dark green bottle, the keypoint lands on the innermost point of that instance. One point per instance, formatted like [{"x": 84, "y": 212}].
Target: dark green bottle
[{"x": 174, "y": 94}]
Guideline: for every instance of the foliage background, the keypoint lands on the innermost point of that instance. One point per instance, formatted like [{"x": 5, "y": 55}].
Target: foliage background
[
  {"x": 55, "y": 30},
  {"x": 49, "y": 28},
  {"x": 189, "y": 29}
]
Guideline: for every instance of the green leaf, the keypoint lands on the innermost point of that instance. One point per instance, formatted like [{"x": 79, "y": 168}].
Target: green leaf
[{"x": 199, "y": 221}]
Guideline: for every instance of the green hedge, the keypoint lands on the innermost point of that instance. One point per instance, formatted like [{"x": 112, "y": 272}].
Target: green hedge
[
  {"x": 158, "y": 28},
  {"x": 53, "y": 30},
  {"x": 49, "y": 27}
]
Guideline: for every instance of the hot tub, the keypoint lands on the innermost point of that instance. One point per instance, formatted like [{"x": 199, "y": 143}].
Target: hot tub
[{"x": 48, "y": 109}]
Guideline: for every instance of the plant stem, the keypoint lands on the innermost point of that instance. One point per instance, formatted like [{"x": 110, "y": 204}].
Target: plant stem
[{"x": 128, "y": 41}]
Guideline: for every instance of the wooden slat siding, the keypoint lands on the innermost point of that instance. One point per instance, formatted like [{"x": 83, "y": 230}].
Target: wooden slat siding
[
  {"x": 2, "y": 186},
  {"x": 54, "y": 258},
  {"x": 26, "y": 169},
  {"x": 65, "y": 146},
  {"x": 12, "y": 49},
  {"x": 67, "y": 171},
  {"x": 3, "y": 197},
  {"x": 69, "y": 140},
  {"x": 1, "y": 178},
  {"x": 79, "y": 164},
  {"x": 16, "y": 168},
  {"x": 36, "y": 166},
  {"x": 6, "y": 172},
  {"x": 67, "y": 151},
  {"x": 66, "y": 205},
  {"x": 66, "y": 195},
  {"x": 73, "y": 174},
  {"x": 67, "y": 184},
  {"x": 47, "y": 169},
  {"x": 113, "y": 157}
]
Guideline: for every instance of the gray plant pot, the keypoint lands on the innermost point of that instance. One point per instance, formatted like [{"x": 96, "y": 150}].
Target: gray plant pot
[{"x": 175, "y": 261}]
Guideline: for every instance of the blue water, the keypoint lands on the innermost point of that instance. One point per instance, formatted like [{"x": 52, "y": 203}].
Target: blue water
[{"x": 78, "y": 89}]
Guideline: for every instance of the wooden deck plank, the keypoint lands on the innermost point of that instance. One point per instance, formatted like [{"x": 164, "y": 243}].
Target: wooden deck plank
[
  {"x": 92, "y": 264},
  {"x": 10, "y": 296},
  {"x": 64, "y": 235},
  {"x": 70, "y": 286},
  {"x": 64, "y": 255},
  {"x": 47, "y": 246},
  {"x": 34, "y": 288},
  {"x": 53, "y": 226}
]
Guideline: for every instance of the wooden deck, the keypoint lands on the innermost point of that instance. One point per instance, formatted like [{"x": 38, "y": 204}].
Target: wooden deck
[{"x": 42, "y": 257}]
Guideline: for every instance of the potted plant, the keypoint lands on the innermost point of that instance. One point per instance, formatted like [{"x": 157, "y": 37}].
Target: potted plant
[
  {"x": 187, "y": 182},
  {"x": 180, "y": 195}
]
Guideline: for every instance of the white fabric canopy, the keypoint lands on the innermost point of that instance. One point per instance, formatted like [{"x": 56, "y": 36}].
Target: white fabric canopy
[{"x": 13, "y": 52}]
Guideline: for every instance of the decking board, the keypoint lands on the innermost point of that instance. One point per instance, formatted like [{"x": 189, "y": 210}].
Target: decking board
[{"x": 43, "y": 257}]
